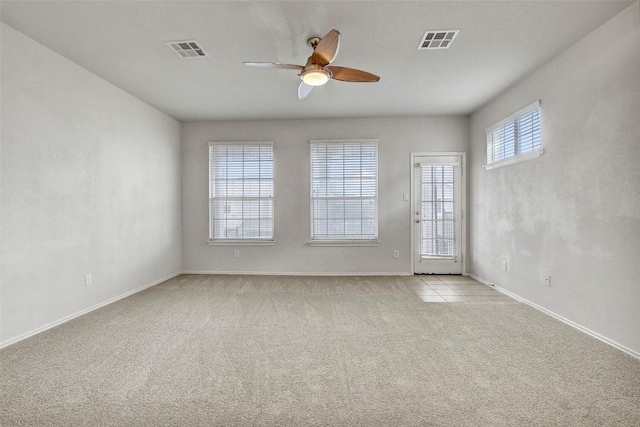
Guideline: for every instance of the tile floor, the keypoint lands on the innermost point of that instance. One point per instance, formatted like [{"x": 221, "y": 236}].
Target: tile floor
[{"x": 448, "y": 288}]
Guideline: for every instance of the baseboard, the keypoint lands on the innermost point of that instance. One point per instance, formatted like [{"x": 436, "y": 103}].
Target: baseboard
[
  {"x": 171, "y": 276},
  {"x": 481, "y": 280},
  {"x": 296, "y": 273},
  {"x": 556, "y": 316},
  {"x": 85, "y": 311}
]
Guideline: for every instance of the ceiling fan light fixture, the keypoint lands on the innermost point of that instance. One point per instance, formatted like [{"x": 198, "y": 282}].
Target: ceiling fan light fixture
[{"x": 315, "y": 77}]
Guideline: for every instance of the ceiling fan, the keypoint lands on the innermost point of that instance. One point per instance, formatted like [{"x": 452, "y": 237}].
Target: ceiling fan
[{"x": 318, "y": 71}]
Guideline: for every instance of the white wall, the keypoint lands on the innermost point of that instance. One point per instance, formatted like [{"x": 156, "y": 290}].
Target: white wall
[
  {"x": 90, "y": 184},
  {"x": 397, "y": 138},
  {"x": 574, "y": 213}
]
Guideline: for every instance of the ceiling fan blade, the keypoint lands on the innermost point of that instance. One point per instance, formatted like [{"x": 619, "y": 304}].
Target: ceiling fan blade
[
  {"x": 351, "y": 74},
  {"x": 327, "y": 49},
  {"x": 274, "y": 65},
  {"x": 304, "y": 90}
]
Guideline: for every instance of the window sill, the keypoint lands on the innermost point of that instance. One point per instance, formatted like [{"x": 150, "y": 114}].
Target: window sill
[
  {"x": 516, "y": 159},
  {"x": 246, "y": 242},
  {"x": 344, "y": 243}
]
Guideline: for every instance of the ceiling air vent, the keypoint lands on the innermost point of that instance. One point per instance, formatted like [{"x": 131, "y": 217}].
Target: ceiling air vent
[
  {"x": 440, "y": 39},
  {"x": 188, "y": 49}
]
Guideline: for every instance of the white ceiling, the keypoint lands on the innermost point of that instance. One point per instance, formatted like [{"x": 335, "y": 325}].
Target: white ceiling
[{"x": 124, "y": 43}]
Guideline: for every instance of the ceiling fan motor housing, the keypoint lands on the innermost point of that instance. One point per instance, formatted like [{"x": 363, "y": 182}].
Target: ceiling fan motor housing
[{"x": 315, "y": 74}]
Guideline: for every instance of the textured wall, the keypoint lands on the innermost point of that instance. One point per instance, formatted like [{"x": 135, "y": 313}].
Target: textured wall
[
  {"x": 397, "y": 138},
  {"x": 90, "y": 184},
  {"x": 574, "y": 213}
]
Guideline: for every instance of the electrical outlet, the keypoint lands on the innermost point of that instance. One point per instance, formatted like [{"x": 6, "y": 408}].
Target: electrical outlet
[
  {"x": 547, "y": 281},
  {"x": 237, "y": 253},
  {"x": 504, "y": 265},
  {"x": 88, "y": 280},
  {"x": 396, "y": 254}
]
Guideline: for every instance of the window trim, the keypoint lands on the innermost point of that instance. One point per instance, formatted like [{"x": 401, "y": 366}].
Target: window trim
[
  {"x": 343, "y": 242},
  {"x": 517, "y": 158},
  {"x": 529, "y": 155},
  {"x": 234, "y": 241}
]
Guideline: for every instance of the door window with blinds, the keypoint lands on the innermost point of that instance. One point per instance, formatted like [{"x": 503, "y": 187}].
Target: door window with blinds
[
  {"x": 515, "y": 138},
  {"x": 344, "y": 190},
  {"x": 438, "y": 215},
  {"x": 241, "y": 192}
]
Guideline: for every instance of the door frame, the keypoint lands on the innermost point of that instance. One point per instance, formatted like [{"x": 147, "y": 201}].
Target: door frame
[{"x": 463, "y": 198}]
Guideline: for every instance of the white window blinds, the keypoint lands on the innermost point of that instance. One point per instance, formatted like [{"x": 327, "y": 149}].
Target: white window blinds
[
  {"x": 240, "y": 191},
  {"x": 514, "y": 136},
  {"x": 438, "y": 237},
  {"x": 344, "y": 190}
]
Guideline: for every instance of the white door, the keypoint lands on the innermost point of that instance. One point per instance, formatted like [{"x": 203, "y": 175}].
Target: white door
[{"x": 437, "y": 214}]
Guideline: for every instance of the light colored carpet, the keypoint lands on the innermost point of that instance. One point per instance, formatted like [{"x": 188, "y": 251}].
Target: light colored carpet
[{"x": 304, "y": 351}]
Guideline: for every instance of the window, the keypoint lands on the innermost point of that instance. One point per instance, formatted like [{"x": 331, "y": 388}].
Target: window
[
  {"x": 344, "y": 191},
  {"x": 240, "y": 192},
  {"x": 438, "y": 237},
  {"x": 515, "y": 138}
]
